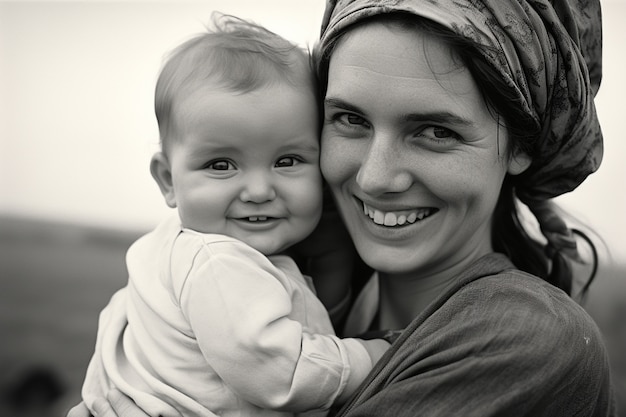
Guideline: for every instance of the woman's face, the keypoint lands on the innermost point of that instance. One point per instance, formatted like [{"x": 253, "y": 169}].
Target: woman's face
[{"x": 412, "y": 154}]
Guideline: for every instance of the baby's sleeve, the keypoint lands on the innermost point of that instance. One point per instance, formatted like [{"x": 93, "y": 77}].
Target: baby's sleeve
[{"x": 238, "y": 305}]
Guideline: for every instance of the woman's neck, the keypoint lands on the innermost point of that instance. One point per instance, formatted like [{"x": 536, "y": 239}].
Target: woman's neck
[{"x": 404, "y": 296}]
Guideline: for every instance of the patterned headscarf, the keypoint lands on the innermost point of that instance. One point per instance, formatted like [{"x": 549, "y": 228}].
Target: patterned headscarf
[{"x": 549, "y": 52}]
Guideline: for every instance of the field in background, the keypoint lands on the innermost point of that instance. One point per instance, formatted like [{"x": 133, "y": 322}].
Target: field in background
[{"x": 55, "y": 278}]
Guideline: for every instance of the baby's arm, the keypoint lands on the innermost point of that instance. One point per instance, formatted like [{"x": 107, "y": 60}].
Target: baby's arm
[{"x": 238, "y": 305}]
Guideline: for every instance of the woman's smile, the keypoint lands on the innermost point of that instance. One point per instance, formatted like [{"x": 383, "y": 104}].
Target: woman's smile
[
  {"x": 397, "y": 227},
  {"x": 397, "y": 218}
]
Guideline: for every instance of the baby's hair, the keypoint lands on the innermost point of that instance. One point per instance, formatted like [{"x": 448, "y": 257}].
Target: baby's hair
[{"x": 236, "y": 55}]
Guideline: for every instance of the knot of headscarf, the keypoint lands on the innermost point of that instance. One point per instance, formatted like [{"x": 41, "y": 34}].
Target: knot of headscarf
[{"x": 549, "y": 52}]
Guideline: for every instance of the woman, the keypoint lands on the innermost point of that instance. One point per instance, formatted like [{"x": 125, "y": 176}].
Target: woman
[{"x": 439, "y": 116}]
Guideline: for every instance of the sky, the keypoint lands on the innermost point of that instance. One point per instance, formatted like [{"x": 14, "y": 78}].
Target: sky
[{"x": 77, "y": 127}]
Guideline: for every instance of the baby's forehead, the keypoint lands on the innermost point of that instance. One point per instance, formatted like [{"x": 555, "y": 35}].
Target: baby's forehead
[
  {"x": 198, "y": 84},
  {"x": 214, "y": 93},
  {"x": 243, "y": 71},
  {"x": 279, "y": 110}
]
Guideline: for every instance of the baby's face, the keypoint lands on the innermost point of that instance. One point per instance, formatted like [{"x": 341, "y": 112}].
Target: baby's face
[{"x": 247, "y": 165}]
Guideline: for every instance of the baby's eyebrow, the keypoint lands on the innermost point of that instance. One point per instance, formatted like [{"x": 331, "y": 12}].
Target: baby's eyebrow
[{"x": 300, "y": 147}]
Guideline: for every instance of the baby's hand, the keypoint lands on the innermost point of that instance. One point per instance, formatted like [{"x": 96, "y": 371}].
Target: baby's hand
[{"x": 376, "y": 348}]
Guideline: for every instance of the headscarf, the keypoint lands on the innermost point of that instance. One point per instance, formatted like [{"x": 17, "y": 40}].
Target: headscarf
[{"x": 548, "y": 52}]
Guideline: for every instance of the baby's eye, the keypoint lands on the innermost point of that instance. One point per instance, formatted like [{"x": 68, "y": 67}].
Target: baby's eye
[
  {"x": 287, "y": 161},
  {"x": 220, "y": 165}
]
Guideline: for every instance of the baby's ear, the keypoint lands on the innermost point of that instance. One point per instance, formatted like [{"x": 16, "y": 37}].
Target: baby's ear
[
  {"x": 519, "y": 163},
  {"x": 162, "y": 174}
]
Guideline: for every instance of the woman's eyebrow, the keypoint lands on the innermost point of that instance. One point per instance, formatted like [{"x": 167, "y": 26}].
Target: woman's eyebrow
[
  {"x": 339, "y": 103},
  {"x": 443, "y": 116}
]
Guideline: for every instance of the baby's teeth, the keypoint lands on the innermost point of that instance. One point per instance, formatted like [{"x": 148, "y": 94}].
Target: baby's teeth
[
  {"x": 379, "y": 217},
  {"x": 401, "y": 219},
  {"x": 257, "y": 218},
  {"x": 411, "y": 218}
]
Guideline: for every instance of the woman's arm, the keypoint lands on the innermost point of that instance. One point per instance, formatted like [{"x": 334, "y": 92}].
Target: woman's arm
[{"x": 79, "y": 410}]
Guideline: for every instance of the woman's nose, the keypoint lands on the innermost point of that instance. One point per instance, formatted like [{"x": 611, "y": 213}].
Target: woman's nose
[
  {"x": 258, "y": 188},
  {"x": 382, "y": 171}
]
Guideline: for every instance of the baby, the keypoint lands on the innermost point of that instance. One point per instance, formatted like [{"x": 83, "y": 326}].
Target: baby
[{"x": 220, "y": 321}]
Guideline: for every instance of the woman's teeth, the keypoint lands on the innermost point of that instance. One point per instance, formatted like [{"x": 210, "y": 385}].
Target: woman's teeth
[{"x": 396, "y": 218}]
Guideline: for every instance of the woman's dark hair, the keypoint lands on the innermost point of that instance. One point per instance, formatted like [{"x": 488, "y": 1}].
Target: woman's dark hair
[{"x": 509, "y": 236}]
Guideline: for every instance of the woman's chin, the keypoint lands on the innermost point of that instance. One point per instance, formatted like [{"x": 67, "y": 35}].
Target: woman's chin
[{"x": 389, "y": 261}]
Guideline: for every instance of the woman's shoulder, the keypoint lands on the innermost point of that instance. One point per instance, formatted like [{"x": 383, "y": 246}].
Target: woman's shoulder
[
  {"x": 515, "y": 298},
  {"x": 525, "y": 319},
  {"x": 503, "y": 343},
  {"x": 515, "y": 337},
  {"x": 514, "y": 286}
]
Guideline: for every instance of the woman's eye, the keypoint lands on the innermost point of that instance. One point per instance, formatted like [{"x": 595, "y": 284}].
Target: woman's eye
[
  {"x": 287, "y": 161},
  {"x": 442, "y": 132},
  {"x": 352, "y": 120},
  {"x": 221, "y": 165},
  {"x": 439, "y": 134}
]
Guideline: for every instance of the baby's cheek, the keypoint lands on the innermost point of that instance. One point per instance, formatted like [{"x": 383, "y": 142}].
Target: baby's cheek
[
  {"x": 338, "y": 163},
  {"x": 309, "y": 199}
]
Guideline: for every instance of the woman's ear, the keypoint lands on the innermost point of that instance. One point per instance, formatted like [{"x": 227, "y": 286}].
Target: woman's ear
[
  {"x": 518, "y": 163},
  {"x": 162, "y": 174}
]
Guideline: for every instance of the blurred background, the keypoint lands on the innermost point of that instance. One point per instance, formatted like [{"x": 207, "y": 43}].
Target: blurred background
[{"x": 77, "y": 130}]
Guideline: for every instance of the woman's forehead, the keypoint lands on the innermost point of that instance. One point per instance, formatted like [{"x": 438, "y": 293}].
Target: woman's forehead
[
  {"x": 410, "y": 63},
  {"x": 397, "y": 53}
]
